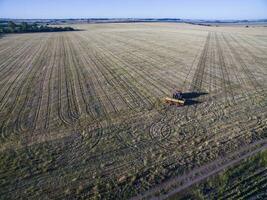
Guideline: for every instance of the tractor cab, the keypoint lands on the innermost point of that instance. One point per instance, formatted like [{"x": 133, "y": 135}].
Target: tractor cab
[{"x": 177, "y": 95}]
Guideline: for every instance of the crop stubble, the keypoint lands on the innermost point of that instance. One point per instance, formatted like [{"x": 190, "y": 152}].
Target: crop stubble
[{"x": 81, "y": 113}]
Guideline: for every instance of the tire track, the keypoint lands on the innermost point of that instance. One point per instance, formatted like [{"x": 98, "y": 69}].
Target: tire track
[
  {"x": 228, "y": 93},
  {"x": 50, "y": 93},
  {"x": 253, "y": 81},
  {"x": 62, "y": 87},
  {"x": 18, "y": 101}
]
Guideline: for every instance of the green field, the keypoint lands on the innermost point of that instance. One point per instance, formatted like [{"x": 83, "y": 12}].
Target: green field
[{"x": 246, "y": 180}]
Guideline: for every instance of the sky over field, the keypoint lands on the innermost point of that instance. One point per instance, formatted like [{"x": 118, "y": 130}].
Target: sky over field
[{"x": 189, "y": 9}]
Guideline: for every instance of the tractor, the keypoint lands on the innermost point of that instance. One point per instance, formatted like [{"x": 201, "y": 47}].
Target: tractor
[{"x": 177, "y": 99}]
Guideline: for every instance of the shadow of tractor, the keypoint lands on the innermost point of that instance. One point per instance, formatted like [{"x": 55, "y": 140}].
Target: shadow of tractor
[{"x": 191, "y": 96}]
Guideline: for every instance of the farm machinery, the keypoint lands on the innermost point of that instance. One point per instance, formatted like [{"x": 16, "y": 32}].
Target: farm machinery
[{"x": 177, "y": 99}]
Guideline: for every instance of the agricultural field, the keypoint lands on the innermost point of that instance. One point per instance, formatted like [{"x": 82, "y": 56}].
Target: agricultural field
[{"x": 82, "y": 113}]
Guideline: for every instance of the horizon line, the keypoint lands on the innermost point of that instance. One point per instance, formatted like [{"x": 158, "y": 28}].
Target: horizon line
[{"x": 173, "y": 18}]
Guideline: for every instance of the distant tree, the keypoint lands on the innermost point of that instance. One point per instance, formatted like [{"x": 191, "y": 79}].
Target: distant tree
[
  {"x": 35, "y": 27},
  {"x": 11, "y": 26},
  {"x": 24, "y": 27}
]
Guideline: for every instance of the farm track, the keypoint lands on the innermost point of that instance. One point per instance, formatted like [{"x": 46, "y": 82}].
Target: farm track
[
  {"x": 225, "y": 74},
  {"x": 200, "y": 70},
  {"x": 82, "y": 112}
]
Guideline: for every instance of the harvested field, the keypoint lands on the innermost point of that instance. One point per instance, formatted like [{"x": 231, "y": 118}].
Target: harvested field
[{"x": 81, "y": 113}]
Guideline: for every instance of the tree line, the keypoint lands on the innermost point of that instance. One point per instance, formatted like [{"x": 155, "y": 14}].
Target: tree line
[{"x": 24, "y": 27}]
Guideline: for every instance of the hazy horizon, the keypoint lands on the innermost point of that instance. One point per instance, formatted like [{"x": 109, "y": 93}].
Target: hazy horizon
[
  {"x": 241, "y": 19},
  {"x": 190, "y": 9}
]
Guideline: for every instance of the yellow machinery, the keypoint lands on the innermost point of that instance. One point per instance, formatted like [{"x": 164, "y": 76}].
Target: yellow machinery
[{"x": 177, "y": 102}]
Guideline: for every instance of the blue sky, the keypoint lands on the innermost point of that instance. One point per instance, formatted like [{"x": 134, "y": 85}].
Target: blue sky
[{"x": 193, "y": 9}]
